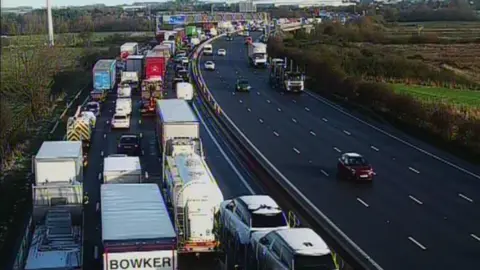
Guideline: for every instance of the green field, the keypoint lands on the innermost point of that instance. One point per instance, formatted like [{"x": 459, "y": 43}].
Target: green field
[
  {"x": 442, "y": 95},
  {"x": 68, "y": 37}
]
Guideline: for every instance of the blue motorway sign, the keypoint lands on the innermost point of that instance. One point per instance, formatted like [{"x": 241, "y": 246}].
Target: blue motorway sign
[{"x": 174, "y": 19}]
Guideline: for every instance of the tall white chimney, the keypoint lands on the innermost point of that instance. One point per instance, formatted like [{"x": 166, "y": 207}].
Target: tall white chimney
[{"x": 50, "y": 23}]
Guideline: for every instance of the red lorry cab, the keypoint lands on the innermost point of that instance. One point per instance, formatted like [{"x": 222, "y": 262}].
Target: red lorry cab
[{"x": 155, "y": 65}]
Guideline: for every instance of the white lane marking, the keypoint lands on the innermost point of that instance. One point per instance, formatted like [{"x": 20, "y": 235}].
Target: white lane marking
[
  {"x": 475, "y": 237},
  {"x": 346, "y": 132},
  {"x": 146, "y": 175},
  {"x": 233, "y": 93},
  {"x": 278, "y": 109},
  {"x": 374, "y": 148},
  {"x": 413, "y": 170},
  {"x": 268, "y": 101},
  {"x": 296, "y": 150},
  {"x": 276, "y": 134},
  {"x": 248, "y": 109},
  {"x": 99, "y": 176},
  {"x": 294, "y": 101},
  {"x": 108, "y": 122},
  {"x": 393, "y": 136},
  {"x": 260, "y": 120},
  {"x": 415, "y": 199},
  {"x": 227, "y": 158},
  {"x": 241, "y": 101},
  {"x": 313, "y": 133},
  {"x": 258, "y": 93},
  {"x": 105, "y": 135},
  {"x": 417, "y": 243},
  {"x": 362, "y": 202},
  {"x": 465, "y": 197},
  {"x": 324, "y": 172},
  {"x": 325, "y": 119},
  {"x": 307, "y": 109},
  {"x": 101, "y": 153},
  {"x": 336, "y": 149},
  {"x": 294, "y": 120},
  {"x": 140, "y": 121}
]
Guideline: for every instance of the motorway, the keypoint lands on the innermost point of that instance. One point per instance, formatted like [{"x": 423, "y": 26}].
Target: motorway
[
  {"x": 422, "y": 212},
  {"x": 232, "y": 178}
]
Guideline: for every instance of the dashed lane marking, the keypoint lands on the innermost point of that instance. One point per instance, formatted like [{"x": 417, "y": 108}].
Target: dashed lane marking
[
  {"x": 268, "y": 101},
  {"x": 415, "y": 199},
  {"x": 294, "y": 120},
  {"x": 413, "y": 170},
  {"x": 417, "y": 243},
  {"x": 307, "y": 109},
  {"x": 336, "y": 149},
  {"x": 260, "y": 120},
  {"x": 276, "y": 134},
  {"x": 374, "y": 148},
  {"x": 296, "y": 150},
  {"x": 362, "y": 202},
  {"x": 324, "y": 119},
  {"x": 465, "y": 197},
  {"x": 278, "y": 109},
  {"x": 313, "y": 133},
  {"x": 475, "y": 237},
  {"x": 248, "y": 109},
  {"x": 346, "y": 132},
  {"x": 324, "y": 173}
]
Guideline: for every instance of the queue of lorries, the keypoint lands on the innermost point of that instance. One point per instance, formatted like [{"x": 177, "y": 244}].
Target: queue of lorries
[{"x": 151, "y": 225}]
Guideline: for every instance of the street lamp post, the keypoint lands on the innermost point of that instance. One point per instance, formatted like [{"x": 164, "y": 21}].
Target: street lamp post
[{"x": 50, "y": 23}]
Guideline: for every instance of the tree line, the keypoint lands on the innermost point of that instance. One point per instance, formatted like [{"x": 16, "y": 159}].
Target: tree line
[{"x": 360, "y": 76}]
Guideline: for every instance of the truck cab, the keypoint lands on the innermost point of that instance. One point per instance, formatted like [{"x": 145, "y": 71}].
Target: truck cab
[
  {"x": 208, "y": 49},
  {"x": 293, "y": 81}
]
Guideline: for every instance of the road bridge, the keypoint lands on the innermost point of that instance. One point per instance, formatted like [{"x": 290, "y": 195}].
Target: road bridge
[{"x": 211, "y": 17}]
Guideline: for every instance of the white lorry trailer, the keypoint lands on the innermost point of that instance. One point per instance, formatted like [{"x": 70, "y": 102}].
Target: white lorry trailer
[
  {"x": 57, "y": 197},
  {"x": 120, "y": 170},
  {"x": 184, "y": 90},
  {"x": 195, "y": 197},
  {"x": 257, "y": 54},
  {"x": 130, "y": 78},
  {"x": 137, "y": 232},
  {"x": 129, "y": 48},
  {"x": 175, "y": 119},
  {"x": 135, "y": 63}
]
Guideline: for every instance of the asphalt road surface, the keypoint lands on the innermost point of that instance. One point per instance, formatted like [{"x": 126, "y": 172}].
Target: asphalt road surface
[
  {"x": 422, "y": 211},
  {"x": 232, "y": 178}
]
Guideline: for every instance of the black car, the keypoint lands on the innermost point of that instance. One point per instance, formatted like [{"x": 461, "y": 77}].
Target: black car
[
  {"x": 242, "y": 85},
  {"x": 183, "y": 73},
  {"x": 130, "y": 145}
]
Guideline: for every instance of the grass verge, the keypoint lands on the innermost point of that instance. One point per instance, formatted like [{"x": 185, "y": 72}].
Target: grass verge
[{"x": 463, "y": 98}]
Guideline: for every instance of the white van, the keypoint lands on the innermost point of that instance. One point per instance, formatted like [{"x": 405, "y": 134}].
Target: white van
[
  {"x": 124, "y": 91},
  {"x": 208, "y": 49},
  {"x": 184, "y": 91},
  {"x": 123, "y": 106}
]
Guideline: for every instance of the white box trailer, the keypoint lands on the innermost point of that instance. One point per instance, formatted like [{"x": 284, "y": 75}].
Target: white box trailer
[
  {"x": 119, "y": 170},
  {"x": 135, "y": 63},
  {"x": 195, "y": 196},
  {"x": 184, "y": 90},
  {"x": 137, "y": 232},
  {"x": 175, "y": 119},
  {"x": 58, "y": 162}
]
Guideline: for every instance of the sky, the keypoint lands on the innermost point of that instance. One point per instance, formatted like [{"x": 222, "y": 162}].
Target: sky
[{"x": 42, "y": 3}]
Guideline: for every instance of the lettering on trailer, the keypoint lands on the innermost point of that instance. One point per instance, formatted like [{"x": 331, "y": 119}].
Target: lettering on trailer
[{"x": 141, "y": 263}]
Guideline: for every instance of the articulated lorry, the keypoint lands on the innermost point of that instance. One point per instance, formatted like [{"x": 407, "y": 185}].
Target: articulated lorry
[
  {"x": 105, "y": 74},
  {"x": 129, "y": 48},
  {"x": 195, "y": 198},
  {"x": 257, "y": 54},
  {"x": 153, "y": 85},
  {"x": 57, "y": 195},
  {"x": 137, "y": 232},
  {"x": 284, "y": 79}
]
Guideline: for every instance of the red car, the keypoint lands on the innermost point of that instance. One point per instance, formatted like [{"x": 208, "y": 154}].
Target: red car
[{"x": 353, "y": 166}]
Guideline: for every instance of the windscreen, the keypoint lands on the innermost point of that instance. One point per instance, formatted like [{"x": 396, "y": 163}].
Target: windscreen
[
  {"x": 305, "y": 262},
  {"x": 120, "y": 117},
  {"x": 295, "y": 76},
  {"x": 243, "y": 83},
  {"x": 128, "y": 140},
  {"x": 259, "y": 55},
  {"x": 91, "y": 106},
  {"x": 356, "y": 161},
  {"x": 270, "y": 220}
]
